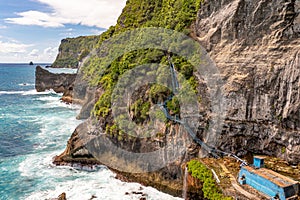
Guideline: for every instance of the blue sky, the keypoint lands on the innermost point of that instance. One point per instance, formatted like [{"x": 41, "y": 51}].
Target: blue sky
[{"x": 31, "y": 30}]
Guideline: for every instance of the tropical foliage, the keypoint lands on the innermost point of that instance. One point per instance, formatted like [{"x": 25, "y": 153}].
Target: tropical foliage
[{"x": 172, "y": 14}]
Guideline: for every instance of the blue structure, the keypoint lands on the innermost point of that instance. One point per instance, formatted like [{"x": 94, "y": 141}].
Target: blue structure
[
  {"x": 272, "y": 184},
  {"x": 258, "y": 162}
]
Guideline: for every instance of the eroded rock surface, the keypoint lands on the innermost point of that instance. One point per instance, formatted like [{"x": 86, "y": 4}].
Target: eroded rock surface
[
  {"x": 60, "y": 83},
  {"x": 256, "y": 46}
]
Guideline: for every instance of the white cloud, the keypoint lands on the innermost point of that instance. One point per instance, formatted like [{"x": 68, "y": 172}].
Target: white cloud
[
  {"x": 35, "y": 18},
  {"x": 34, "y": 53},
  {"x": 50, "y": 50},
  {"x": 3, "y": 27},
  {"x": 46, "y": 55},
  {"x": 14, "y": 51},
  {"x": 43, "y": 55},
  {"x": 50, "y": 53},
  {"x": 96, "y": 31},
  {"x": 67, "y": 32},
  {"x": 99, "y": 13},
  {"x": 13, "y": 47}
]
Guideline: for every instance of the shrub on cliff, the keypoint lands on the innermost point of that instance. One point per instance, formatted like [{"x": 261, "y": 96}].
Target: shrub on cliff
[{"x": 210, "y": 190}]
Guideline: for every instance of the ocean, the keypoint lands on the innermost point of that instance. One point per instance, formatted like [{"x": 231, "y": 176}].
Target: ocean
[{"x": 33, "y": 129}]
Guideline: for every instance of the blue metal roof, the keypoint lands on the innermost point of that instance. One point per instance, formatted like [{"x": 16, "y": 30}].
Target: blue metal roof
[
  {"x": 269, "y": 182},
  {"x": 272, "y": 176}
]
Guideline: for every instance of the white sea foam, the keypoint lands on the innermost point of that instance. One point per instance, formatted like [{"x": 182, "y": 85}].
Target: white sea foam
[
  {"x": 31, "y": 119},
  {"x": 30, "y": 92},
  {"x": 34, "y": 92},
  {"x": 50, "y": 181},
  {"x": 96, "y": 185},
  {"x": 11, "y": 92},
  {"x": 83, "y": 185},
  {"x": 58, "y": 103},
  {"x": 48, "y": 98},
  {"x": 54, "y": 102},
  {"x": 61, "y": 70},
  {"x": 26, "y": 84},
  {"x": 54, "y": 132}
]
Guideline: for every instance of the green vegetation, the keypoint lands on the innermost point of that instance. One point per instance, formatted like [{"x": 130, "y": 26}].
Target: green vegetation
[
  {"x": 201, "y": 172},
  {"x": 84, "y": 53},
  {"x": 283, "y": 150},
  {"x": 140, "y": 110},
  {"x": 172, "y": 14},
  {"x": 67, "y": 62},
  {"x": 158, "y": 93},
  {"x": 73, "y": 50},
  {"x": 174, "y": 106}
]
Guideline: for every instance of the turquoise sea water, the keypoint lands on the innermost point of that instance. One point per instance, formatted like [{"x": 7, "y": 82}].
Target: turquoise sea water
[{"x": 33, "y": 129}]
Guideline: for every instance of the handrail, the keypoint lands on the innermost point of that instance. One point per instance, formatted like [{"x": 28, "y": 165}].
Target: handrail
[{"x": 213, "y": 151}]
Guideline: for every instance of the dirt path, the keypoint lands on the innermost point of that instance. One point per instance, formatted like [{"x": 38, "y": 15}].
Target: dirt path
[{"x": 236, "y": 186}]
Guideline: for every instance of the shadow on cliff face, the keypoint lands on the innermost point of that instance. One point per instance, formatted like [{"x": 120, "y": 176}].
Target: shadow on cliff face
[{"x": 255, "y": 44}]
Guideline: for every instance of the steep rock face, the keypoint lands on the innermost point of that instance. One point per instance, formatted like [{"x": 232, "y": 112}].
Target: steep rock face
[
  {"x": 60, "y": 83},
  {"x": 256, "y": 47},
  {"x": 84, "y": 95},
  {"x": 91, "y": 143}
]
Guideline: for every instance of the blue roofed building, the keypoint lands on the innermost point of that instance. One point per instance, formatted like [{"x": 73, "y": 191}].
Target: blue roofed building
[{"x": 272, "y": 184}]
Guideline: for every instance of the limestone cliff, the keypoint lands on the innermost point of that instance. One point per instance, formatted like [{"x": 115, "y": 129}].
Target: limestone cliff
[{"x": 256, "y": 46}]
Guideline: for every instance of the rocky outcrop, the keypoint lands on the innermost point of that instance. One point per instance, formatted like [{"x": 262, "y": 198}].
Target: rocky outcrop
[
  {"x": 60, "y": 83},
  {"x": 193, "y": 188},
  {"x": 85, "y": 95},
  {"x": 73, "y": 86},
  {"x": 62, "y": 196},
  {"x": 256, "y": 47}
]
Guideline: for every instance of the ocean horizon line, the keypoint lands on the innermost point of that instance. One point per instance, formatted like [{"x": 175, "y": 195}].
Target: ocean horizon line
[{"x": 25, "y": 63}]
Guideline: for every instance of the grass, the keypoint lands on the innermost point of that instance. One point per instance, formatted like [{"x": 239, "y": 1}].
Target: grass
[{"x": 210, "y": 190}]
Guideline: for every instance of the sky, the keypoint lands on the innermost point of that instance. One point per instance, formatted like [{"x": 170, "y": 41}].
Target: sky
[{"x": 31, "y": 30}]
